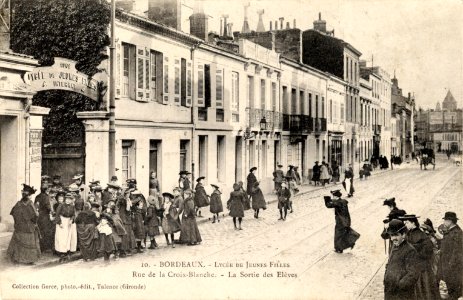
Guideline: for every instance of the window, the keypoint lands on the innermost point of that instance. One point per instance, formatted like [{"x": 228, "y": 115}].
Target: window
[
  {"x": 156, "y": 61},
  {"x": 128, "y": 159},
  {"x": 323, "y": 107},
  {"x": 207, "y": 85},
  {"x": 250, "y": 92},
  {"x": 188, "y": 85},
  {"x": 235, "y": 93},
  {"x": 316, "y": 106},
  {"x": 310, "y": 104},
  {"x": 293, "y": 102},
  {"x": 219, "y": 88},
  {"x": 143, "y": 76},
  {"x": 302, "y": 103},
  {"x": 342, "y": 113},
  {"x": 166, "y": 80},
  {"x": 262, "y": 93},
  {"x": 184, "y": 145},
  {"x": 177, "y": 81},
  {"x": 183, "y": 86},
  {"x": 128, "y": 71},
  {"x": 201, "y": 85},
  {"x": 331, "y": 110},
  {"x": 274, "y": 96}
]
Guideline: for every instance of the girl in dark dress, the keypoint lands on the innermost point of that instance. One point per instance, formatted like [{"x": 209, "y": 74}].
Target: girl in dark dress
[
  {"x": 124, "y": 206},
  {"x": 236, "y": 205},
  {"x": 189, "y": 231},
  {"x": 216, "y": 203},
  {"x": 251, "y": 179},
  {"x": 152, "y": 221},
  {"x": 138, "y": 213},
  {"x": 46, "y": 226},
  {"x": 201, "y": 198},
  {"x": 87, "y": 236},
  {"x": 117, "y": 227},
  {"x": 284, "y": 196},
  {"x": 258, "y": 201},
  {"x": 106, "y": 240},
  {"x": 170, "y": 221}
]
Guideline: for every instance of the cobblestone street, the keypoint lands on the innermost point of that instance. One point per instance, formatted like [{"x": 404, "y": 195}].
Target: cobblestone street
[{"x": 304, "y": 242}]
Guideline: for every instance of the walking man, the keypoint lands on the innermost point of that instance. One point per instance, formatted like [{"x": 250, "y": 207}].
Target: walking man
[{"x": 278, "y": 177}]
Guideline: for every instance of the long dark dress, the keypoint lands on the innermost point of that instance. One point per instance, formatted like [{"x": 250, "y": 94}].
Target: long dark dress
[
  {"x": 258, "y": 200},
  {"x": 128, "y": 240},
  {"x": 283, "y": 198},
  {"x": 216, "y": 202},
  {"x": 87, "y": 235},
  {"x": 401, "y": 273},
  {"x": 171, "y": 224},
  {"x": 189, "y": 229},
  {"x": 344, "y": 236},
  {"x": 151, "y": 222},
  {"x": 251, "y": 179},
  {"x": 138, "y": 225},
  {"x": 427, "y": 286},
  {"x": 236, "y": 204},
  {"x": 201, "y": 199},
  {"x": 316, "y": 173},
  {"x": 46, "y": 226},
  {"x": 24, "y": 246}
]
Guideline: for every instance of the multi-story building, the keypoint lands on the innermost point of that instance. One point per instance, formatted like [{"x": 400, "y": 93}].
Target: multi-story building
[
  {"x": 336, "y": 96},
  {"x": 366, "y": 129}
]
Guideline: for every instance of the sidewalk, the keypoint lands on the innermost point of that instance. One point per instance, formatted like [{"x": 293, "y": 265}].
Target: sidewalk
[{"x": 48, "y": 259}]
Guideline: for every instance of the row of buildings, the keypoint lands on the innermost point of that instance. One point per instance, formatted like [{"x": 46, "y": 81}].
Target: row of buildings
[{"x": 213, "y": 104}]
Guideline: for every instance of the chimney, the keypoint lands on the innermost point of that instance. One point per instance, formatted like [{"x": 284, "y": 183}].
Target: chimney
[
  {"x": 225, "y": 26},
  {"x": 260, "y": 24},
  {"x": 320, "y": 25},
  {"x": 271, "y": 25},
  {"x": 199, "y": 23},
  {"x": 281, "y": 22},
  {"x": 287, "y": 25},
  {"x": 246, "y": 28},
  {"x": 4, "y": 30},
  {"x": 230, "y": 27},
  {"x": 294, "y": 23},
  {"x": 276, "y": 25},
  {"x": 221, "y": 27}
]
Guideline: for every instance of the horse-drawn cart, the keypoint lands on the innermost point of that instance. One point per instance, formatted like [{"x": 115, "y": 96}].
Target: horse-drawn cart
[{"x": 427, "y": 157}]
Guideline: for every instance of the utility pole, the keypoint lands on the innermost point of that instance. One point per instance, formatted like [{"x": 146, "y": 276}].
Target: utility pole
[{"x": 112, "y": 90}]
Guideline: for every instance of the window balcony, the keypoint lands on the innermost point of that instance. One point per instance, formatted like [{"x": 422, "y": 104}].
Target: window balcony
[
  {"x": 298, "y": 124},
  {"x": 255, "y": 117}
]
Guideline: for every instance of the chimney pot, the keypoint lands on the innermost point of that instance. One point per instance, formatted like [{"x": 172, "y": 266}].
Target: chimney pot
[
  {"x": 294, "y": 23},
  {"x": 271, "y": 25},
  {"x": 287, "y": 25},
  {"x": 276, "y": 25},
  {"x": 281, "y": 23}
]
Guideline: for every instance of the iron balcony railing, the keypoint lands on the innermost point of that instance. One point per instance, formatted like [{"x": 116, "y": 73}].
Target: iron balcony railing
[{"x": 254, "y": 118}]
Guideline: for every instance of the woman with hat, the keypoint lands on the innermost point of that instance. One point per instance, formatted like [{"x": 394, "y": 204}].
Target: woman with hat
[
  {"x": 324, "y": 173},
  {"x": 24, "y": 245},
  {"x": 201, "y": 198},
  {"x": 110, "y": 193},
  {"x": 81, "y": 187},
  {"x": 251, "y": 179},
  {"x": 278, "y": 177},
  {"x": 78, "y": 200},
  {"x": 189, "y": 230},
  {"x": 138, "y": 216},
  {"x": 284, "y": 196},
  {"x": 170, "y": 224},
  {"x": 428, "y": 228},
  {"x": 151, "y": 219},
  {"x": 394, "y": 213},
  {"x": 118, "y": 228},
  {"x": 154, "y": 182},
  {"x": 66, "y": 232},
  {"x": 184, "y": 181},
  {"x": 124, "y": 206},
  {"x": 216, "y": 203},
  {"x": 427, "y": 286},
  {"x": 316, "y": 173},
  {"x": 236, "y": 205},
  {"x": 46, "y": 226},
  {"x": 87, "y": 236},
  {"x": 258, "y": 200}
]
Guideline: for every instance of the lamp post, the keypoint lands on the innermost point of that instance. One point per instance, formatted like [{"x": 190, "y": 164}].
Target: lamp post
[{"x": 112, "y": 94}]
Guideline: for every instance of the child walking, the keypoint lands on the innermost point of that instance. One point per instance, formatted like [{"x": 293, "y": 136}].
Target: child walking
[{"x": 216, "y": 206}]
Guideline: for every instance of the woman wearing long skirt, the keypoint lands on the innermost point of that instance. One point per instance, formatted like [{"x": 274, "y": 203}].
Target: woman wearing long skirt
[
  {"x": 236, "y": 205},
  {"x": 258, "y": 200},
  {"x": 170, "y": 221},
  {"x": 189, "y": 230},
  {"x": 87, "y": 235},
  {"x": 151, "y": 220},
  {"x": 124, "y": 206},
  {"x": 201, "y": 198},
  {"x": 250, "y": 180},
  {"x": 348, "y": 182},
  {"x": 216, "y": 203},
  {"x": 117, "y": 227},
  {"x": 46, "y": 226},
  {"x": 138, "y": 212},
  {"x": 66, "y": 232}
]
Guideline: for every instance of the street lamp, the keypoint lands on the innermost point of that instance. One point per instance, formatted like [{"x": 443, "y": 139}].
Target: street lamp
[{"x": 263, "y": 124}]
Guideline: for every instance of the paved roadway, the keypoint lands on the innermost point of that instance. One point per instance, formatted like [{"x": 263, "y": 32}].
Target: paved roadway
[{"x": 301, "y": 246}]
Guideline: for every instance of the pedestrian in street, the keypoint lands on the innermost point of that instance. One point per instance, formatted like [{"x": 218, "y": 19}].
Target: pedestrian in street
[
  {"x": 154, "y": 182},
  {"x": 335, "y": 172},
  {"x": 201, "y": 197},
  {"x": 216, "y": 203},
  {"x": 324, "y": 174},
  {"x": 366, "y": 169},
  {"x": 451, "y": 260},
  {"x": 138, "y": 215},
  {"x": 124, "y": 206},
  {"x": 247, "y": 203},
  {"x": 251, "y": 179},
  {"x": 428, "y": 228},
  {"x": 258, "y": 200},
  {"x": 290, "y": 172},
  {"x": 184, "y": 181},
  {"x": 294, "y": 190},
  {"x": 401, "y": 273},
  {"x": 348, "y": 182},
  {"x": 344, "y": 236},
  {"x": 278, "y": 177},
  {"x": 394, "y": 214},
  {"x": 117, "y": 227},
  {"x": 235, "y": 205},
  {"x": 106, "y": 246},
  {"x": 82, "y": 188},
  {"x": 45, "y": 225},
  {"x": 427, "y": 286},
  {"x": 284, "y": 196},
  {"x": 316, "y": 173},
  {"x": 151, "y": 220},
  {"x": 297, "y": 176},
  {"x": 189, "y": 229},
  {"x": 24, "y": 245},
  {"x": 87, "y": 235},
  {"x": 170, "y": 221},
  {"x": 66, "y": 231}
]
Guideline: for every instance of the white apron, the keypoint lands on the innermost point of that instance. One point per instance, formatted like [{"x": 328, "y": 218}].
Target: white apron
[
  {"x": 66, "y": 237},
  {"x": 348, "y": 183}
]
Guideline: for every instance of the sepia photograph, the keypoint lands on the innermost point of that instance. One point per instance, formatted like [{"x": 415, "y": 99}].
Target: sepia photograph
[{"x": 231, "y": 149}]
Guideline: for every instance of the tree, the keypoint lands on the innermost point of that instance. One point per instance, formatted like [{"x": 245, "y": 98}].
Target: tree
[{"x": 73, "y": 29}]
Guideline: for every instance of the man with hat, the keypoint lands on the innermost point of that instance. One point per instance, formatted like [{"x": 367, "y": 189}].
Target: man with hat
[
  {"x": 451, "y": 260},
  {"x": 24, "y": 246},
  {"x": 278, "y": 177},
  {"x": 316, "y": 173},
  {"x": 201, "y": 198},
  {"x": 394, "y": 213},
  {"x": 344, "y": 236},
  {"x": 401, "y": 273},
  {"x": 427, "y": 286},
  {"x": 45, "y": 225}
]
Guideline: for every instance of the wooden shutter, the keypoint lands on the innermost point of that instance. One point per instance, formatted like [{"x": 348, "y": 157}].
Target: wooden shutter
[
  {"x": 188, "y": 84},
  {"x": 200, "y": 86},
  {"x": 118, "y": 69},
  {"x": 219, "y": 88},
  {"x": 165, "y": 97},
  {"x": 142, "y": 87},
  {"x": 177, "y": 84}
]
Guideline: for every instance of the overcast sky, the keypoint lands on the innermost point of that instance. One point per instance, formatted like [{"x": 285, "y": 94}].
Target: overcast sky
[{"x": 422, "y": 40}]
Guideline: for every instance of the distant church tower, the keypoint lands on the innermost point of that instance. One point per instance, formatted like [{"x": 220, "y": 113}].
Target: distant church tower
[{"x": 449, "y": 103}]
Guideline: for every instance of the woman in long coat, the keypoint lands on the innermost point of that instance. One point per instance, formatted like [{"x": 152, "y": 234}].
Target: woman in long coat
[
  {"x": 216, "y": 203},
  {"x": 151, "y": 220},
  {"x": 236, "y": 205},
  {"x": 138, "y": 212},
  {"x": 258, "y": 200},
  {"x": 335, "y": 172},
  {"x": 251, "y": 179},
  {"x": 46, "y": 226},
  {"x": 170, "y": 221},
  {"x": 124, "y": 206},
  {"x": 344, "y": 236},
  {"x": 247, "y": 202},
  {"x": 189, "y": 232},
  {"x": 87, "y": 236},
  {"x": 324, "y": 174},
  {"x": 24, "y": 246},
  {"x": 201, "y": 198},
  {"x": 316, "y": 173}
]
